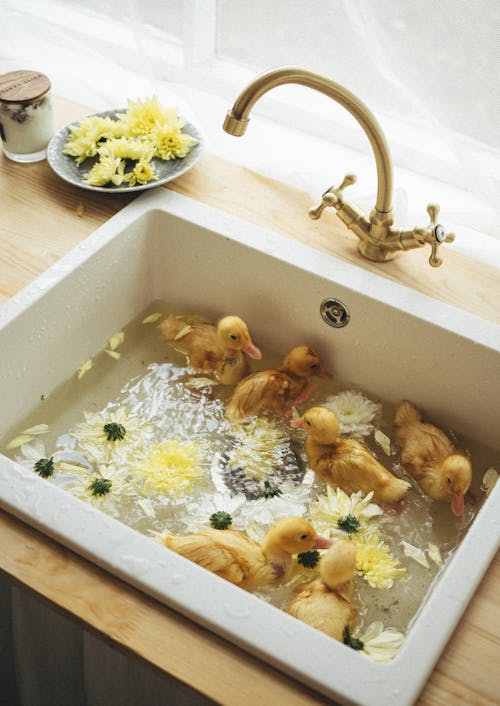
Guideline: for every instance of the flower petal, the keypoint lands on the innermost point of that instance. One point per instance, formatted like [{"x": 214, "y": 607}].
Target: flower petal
[{"x": 415, "y": 553}]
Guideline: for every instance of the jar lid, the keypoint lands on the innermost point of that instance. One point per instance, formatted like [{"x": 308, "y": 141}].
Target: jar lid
[{"x": 23, "y": 86}]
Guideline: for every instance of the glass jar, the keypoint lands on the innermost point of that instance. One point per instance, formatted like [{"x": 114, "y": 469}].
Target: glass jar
[{"x": 26, "y": 122}]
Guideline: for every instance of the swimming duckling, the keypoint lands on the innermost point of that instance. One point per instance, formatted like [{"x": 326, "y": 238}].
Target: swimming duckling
[
  {"x": 346, "y": 463},
  {"x": 326, "y": 603},
  {"x": 238, "y": 559},
  {"x": 218, "y": 349},
  {"x": 277, "y": 390},
  {"x": 426, "y": 452}
]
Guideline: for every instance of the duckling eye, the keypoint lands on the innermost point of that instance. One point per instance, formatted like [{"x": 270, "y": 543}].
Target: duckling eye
[
  {"x": 448, "y": 480},
  {"x": 233, "y": 336},
  {"x": 313, "y": 366},
  {"x": 307, "y": 422},
  {"x": 303, "y": 536}
]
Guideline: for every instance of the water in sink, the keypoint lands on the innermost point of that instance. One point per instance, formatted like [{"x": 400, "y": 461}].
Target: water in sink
[{"x": 165, "y": 402}]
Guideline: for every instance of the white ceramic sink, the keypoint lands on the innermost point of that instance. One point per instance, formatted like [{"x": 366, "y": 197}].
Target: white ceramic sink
[{"x": 397, "y": 344}]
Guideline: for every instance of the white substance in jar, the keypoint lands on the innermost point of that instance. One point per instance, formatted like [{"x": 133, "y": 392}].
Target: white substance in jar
[{"x": 26, "y": 123}]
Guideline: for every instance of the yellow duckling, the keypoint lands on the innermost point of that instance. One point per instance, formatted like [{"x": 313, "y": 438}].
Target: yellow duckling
[
  {"x": 326, "y": 603},
  {"x": 218, "y": 349},
  {"x": 430, "y": 457},
  {"x": 277, "y": 391},
  {"x": 346, "y": 463},
  {"x": 238, "y": 559}
]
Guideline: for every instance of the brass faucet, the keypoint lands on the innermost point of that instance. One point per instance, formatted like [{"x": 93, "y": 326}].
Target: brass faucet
[{"x": 379, "y": 241}]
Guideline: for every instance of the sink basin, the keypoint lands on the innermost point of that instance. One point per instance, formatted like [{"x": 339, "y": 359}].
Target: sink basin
[{"x": 397, "y": 344}]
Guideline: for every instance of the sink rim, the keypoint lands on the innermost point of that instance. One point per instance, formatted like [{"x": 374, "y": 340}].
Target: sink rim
[{"x": 349, "y": 276}]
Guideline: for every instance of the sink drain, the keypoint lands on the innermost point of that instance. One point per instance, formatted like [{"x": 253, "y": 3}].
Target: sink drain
[{"x": 335, "y": 313}]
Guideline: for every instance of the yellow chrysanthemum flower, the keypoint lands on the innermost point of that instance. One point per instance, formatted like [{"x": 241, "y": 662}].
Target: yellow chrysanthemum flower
[
  {"x": 171, "y": 467},
  {"x": 375, "y": 563},
  {"x": 128, "y": 148},
  {"x": 170, "y": 142},
  {"x": 142, "y": 116},
  {"x": 107, "y": 169},
  {"x": 259, "y": 447},
  {"x": 141, "y": 174},
  {"x": 84, "y": 138}
]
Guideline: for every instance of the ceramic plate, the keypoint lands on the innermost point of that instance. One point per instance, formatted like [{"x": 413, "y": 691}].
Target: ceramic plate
[{"x": 66, "y": 167}]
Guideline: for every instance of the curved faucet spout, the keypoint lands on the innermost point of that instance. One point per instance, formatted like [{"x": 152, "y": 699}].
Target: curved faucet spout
[
  {"x": 379, "y": 241},
  {"x": 238, "y": 118}
]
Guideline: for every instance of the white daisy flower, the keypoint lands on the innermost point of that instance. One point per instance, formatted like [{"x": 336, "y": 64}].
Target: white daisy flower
[
  {"x": 379, "y": 644},
  {"x": 354, "y": 411},
  {"x": 35, "y": 458},
  {"x": 197, "y": 514},
  {"x": 259, "y": 515},
  {"x": 114, "y": 435},
  {"x": 336, "y": 514}
]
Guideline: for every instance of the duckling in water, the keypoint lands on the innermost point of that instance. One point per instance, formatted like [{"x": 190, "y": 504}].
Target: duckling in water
[
  {"x": 238, "y": 559},
  {"x": 429, "y": 456},
  {"x": 326, "y": 603},
  {"x": 346, "y": 463},
  {"x": 277, "y": 391},
  {"x": 218, "y": 349}
]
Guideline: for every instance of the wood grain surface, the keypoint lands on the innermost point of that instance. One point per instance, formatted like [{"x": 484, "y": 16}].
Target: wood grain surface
[{"x": 38, "y": 224}]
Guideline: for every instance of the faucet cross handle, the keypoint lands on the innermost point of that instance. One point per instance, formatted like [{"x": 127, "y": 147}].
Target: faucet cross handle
[
  {"x": 332, "y": 196},
  {"x": 434, "y": 234}
]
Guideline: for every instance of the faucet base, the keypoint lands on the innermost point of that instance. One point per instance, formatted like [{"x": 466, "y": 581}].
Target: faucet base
[{"x": 375, "y": 253}]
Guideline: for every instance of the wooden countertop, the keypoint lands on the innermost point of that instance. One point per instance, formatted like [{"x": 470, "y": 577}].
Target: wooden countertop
[{"x": 39, "y": 224}]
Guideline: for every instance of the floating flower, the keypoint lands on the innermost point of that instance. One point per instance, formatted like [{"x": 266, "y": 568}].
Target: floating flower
[
  {"x": 35, "y": 458},
  {"x": 336, "y": 514},
  {"x": 379, "y": 644},
  {"x": 375, "y": 563},
  {"x": 113, "y": 434},
  {"x": 354, "y": 411},
  {"x": 259, "y": 515},
  {"x": 310, "y": 559},
  {"x": 170, "y": 467},
  {"x": 198, "y": 513},
  {"x": 108, "y": 487},
  {"x": 261, "y": 445}
]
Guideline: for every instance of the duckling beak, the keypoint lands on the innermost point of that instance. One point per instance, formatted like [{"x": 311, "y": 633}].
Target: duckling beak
[
  {"x": 324, "y": 373},
  {"x": 252, "y": 351},
  {"x": 457, "y": 504},
  {"x": 322, "y": 542},
  {"x": 297, "y": 423}
]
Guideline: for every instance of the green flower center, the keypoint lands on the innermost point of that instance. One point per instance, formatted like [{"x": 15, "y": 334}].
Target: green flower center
[
  {"x": 100, "y": 486},
  {"x": 44, "y": 467},
  {"x": 349, "y": 524},
  {"x": 351, "y": 641},
  {"x": 221, "y": 520},
  {"x": 308, "y": 559},
  {"x": 114, "y": 431},
  {"x": 270, "y": 490}
]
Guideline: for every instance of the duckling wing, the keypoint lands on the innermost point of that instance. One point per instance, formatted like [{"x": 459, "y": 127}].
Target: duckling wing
[
  {"x": 422, "y": 445},
  {"x": 226, "y": 553},
  {"x": 262, "y": 391},
  {"x": 354, "y": 468}
]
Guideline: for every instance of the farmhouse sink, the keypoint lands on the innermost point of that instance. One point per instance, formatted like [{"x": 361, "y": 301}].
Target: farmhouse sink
[{"x": 396, "y": 344}]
